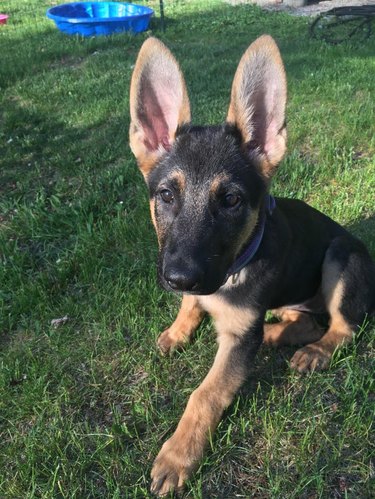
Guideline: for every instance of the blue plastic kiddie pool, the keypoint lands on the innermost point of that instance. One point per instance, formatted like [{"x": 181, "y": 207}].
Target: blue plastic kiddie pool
[{"x": 100, "y": 18}]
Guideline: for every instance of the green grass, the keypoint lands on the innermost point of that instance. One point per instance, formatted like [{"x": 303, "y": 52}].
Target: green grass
[{"x": 85, "y": 407}]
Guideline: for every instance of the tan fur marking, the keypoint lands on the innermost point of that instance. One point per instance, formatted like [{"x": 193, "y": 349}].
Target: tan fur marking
[
  {"x": 179, "y": 177},
  {"x": 188, "y": 319},
  {"x": 215, "y": 385},
  {"x": 152, "y": 211},
  {"x": 228, "y": 319},
  {"x": 317, "y": 355},
  {"x": 181, "y": 454},
  {"x": 245, "y": 235},
  {"x": 340, "y": 331},
  {"x": 296, "y": 328},
  {"x": 333, "y": 289},
  {"x": 217, "y": 182},
  {"x": 159, "y": 232},
  {"x": 145, "y": 159}
]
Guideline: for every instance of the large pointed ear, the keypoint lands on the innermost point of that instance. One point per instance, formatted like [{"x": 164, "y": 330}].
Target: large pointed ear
[
  {"x": 257, "y": 105},
  {"x": 158, "y": 103}
]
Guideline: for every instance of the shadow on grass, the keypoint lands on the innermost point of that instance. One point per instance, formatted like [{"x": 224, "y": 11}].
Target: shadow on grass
[
  {"x": 43, "y": 148},
  {"x": 223, "y": 34},
  {"x": 365, "y": 230},
  {"x": 45, "y": 151}
]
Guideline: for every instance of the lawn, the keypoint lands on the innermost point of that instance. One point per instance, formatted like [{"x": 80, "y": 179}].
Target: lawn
[{"x": 85, "y": 406}]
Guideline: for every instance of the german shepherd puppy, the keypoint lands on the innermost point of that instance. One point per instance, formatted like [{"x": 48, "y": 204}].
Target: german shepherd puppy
[{"x": 229, "y": 246}]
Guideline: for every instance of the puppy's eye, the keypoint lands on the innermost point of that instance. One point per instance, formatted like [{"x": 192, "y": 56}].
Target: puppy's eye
[
  {"x": 167, "y": 196},
  {"x": 231, "y": 200}
]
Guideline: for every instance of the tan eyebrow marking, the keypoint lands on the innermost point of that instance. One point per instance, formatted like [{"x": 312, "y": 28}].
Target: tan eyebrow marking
[
  {"x": 217, "y": 181},
  {"x": 179, "y": 177}
]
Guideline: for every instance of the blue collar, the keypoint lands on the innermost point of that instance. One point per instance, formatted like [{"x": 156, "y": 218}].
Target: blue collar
[{"x": 256, "y": 237}]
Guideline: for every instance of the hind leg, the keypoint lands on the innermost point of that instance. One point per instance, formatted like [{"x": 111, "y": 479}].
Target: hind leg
[
  {"x": 317, "y": 355},
  {"x": 348, "y": 287},
  {"x": 295, "y": 328}
]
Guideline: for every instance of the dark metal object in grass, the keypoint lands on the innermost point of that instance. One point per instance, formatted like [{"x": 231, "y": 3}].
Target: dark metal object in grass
[
  {"x": 343, "y": 24},
  {"x": 162, "y": 19}
]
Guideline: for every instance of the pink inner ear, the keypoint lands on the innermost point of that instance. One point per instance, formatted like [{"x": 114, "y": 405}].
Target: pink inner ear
[
  {"x": 264, "y": 121},
  {"x": 271, "y": 134},
  {"x": 165, "y": 142},
  {"x": 158, "y": 114},
  {"x": 152, "y": 119},
  {"x": 274, "y": 116}
]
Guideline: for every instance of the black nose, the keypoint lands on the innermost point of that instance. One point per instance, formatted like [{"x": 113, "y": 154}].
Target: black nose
[{"x": 179, "y": 280}]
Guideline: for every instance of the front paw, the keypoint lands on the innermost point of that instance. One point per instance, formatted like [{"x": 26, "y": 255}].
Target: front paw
[
  {"x": 172, "y": 467},
  {"x": 312, "y": 357},
  {"x": 169, "y": 341}
]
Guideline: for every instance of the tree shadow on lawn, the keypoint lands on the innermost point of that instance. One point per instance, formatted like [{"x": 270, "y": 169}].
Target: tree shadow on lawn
[
  {"x": 38, "y": 150},
  {"x": 32, "y": 54}
]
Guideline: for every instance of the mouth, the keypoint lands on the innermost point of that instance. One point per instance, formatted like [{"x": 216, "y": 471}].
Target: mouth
[{"x": 197, "y": 292}]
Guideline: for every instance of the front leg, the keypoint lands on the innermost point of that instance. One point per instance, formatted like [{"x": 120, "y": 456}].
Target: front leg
[
  {"x": 239, "y": 336},
  {"x": 188, "y": 319}
]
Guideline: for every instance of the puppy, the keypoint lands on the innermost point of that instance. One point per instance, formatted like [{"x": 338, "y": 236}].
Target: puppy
[{"x": 231, "y": 248}]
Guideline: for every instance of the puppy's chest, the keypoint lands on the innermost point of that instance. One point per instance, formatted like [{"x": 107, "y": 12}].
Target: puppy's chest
[{"x": 229, "y": 316}]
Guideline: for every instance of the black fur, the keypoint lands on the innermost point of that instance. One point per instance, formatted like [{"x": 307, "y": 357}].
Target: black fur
[{"x": 198, "y": 234}]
